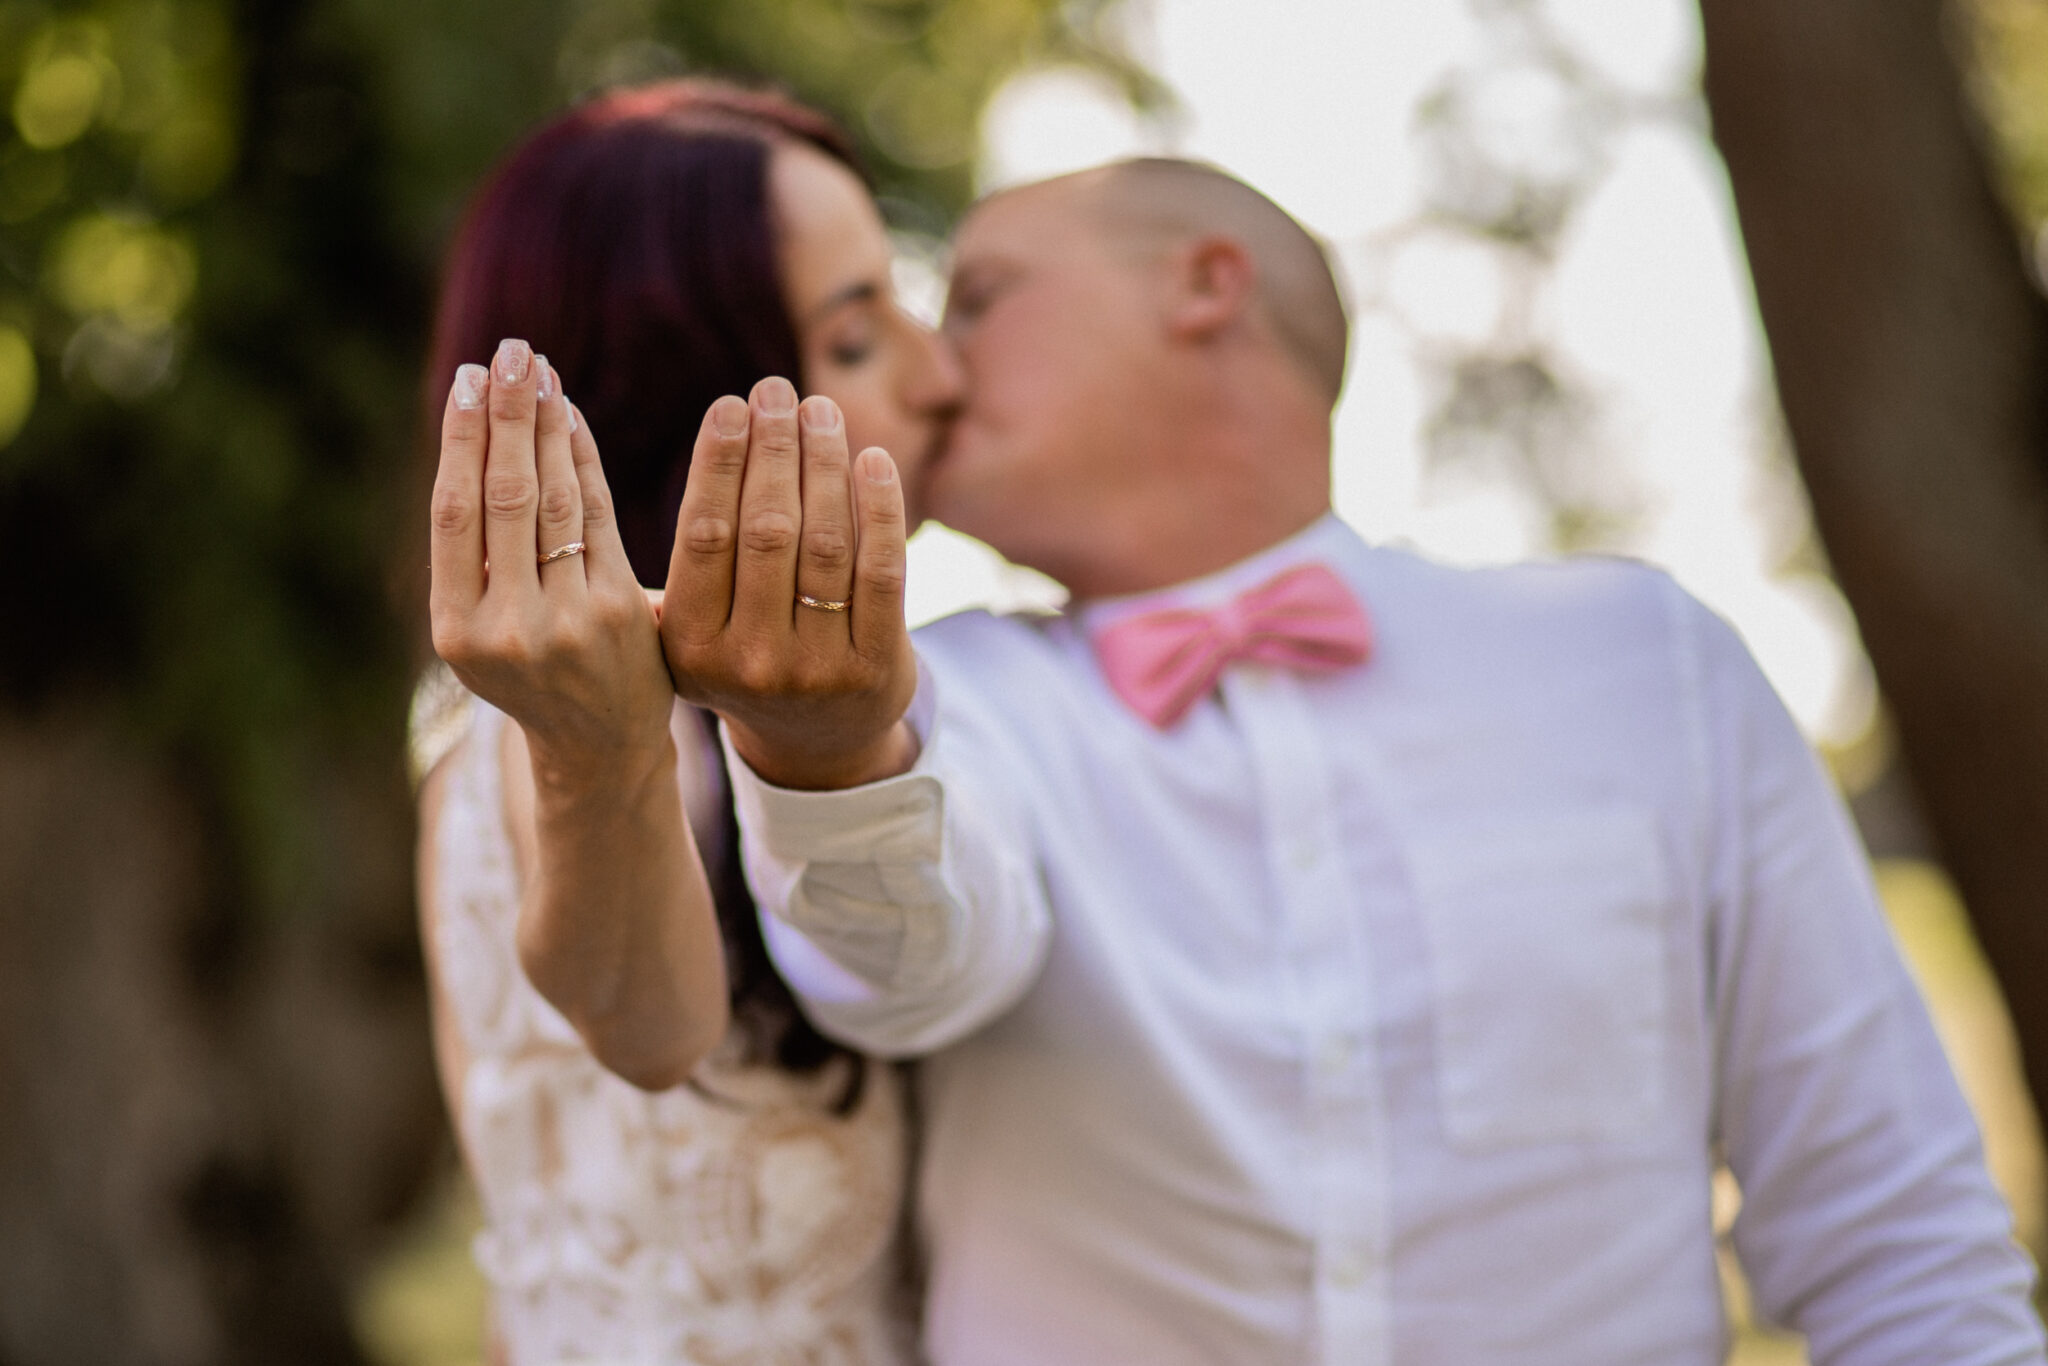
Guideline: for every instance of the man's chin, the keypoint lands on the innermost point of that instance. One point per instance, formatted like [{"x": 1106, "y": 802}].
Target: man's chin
[
  {"x": 953, "y": 496},
  {"x": 970, "y": 519},
  {"x": 917, "y": 487}
]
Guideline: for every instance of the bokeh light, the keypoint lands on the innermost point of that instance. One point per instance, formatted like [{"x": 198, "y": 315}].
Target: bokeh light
[{"x": 17, "y": 383}]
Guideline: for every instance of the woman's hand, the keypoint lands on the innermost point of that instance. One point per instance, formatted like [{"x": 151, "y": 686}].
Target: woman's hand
[
  {"x": 617, "y": 927},
  {"x": 784, "y": 609},
  {"x": 568, "y": 648}
]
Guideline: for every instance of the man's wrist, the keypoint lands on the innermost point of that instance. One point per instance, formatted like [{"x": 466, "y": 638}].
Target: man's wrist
[{"x": 806, "y": 768}]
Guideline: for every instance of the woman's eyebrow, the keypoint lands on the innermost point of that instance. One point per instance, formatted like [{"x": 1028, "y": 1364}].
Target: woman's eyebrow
[{"x": 861, "y": 291}]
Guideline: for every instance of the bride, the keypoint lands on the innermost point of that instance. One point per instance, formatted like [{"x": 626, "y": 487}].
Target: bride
[{"x": 674, "y": 1167}]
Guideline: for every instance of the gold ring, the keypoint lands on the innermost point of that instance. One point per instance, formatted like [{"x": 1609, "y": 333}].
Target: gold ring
[
  {"x": 822, "y": 604},
  {"x": 560, "y": 552}
]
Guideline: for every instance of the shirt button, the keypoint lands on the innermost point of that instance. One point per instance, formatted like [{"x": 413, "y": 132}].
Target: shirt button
[{"x": 1349, "y": 1270}]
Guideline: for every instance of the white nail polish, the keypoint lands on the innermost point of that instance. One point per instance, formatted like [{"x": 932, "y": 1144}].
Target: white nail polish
[
  {"x": 513, "y": 357},
  {"x": 470, "y": 383},
  {"x": 572, "y": 417}
]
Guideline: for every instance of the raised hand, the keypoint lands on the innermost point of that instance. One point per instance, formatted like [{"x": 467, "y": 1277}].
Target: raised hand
[
  {"x": 534, "y": 603},
  {"x": 536, "y": 609},
  {"x": 784, "y": 606}
]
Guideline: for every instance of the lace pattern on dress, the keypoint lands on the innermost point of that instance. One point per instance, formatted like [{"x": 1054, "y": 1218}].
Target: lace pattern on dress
[
  {"x": 737, "y": 1223},
  {"x": 438, "y": 720}
]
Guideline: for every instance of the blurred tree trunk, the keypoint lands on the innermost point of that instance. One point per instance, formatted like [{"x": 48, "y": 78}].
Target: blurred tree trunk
[
  {"x": 203, "y": 1121},
  {"x": 216, "y": 1088},
  {"x": 1912, "y": 364}
]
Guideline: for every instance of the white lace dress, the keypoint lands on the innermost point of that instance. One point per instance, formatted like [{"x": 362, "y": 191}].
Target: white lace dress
[{"x": 737, "y": 1221}]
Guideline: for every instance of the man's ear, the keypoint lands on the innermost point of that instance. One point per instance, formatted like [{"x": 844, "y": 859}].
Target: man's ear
[{"x": 1214, "y": 279}]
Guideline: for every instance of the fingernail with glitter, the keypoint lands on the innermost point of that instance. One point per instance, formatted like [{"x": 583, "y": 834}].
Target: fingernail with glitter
[
  {"x": 471, "y": 383},
  {"x": 513, "y": 358}
]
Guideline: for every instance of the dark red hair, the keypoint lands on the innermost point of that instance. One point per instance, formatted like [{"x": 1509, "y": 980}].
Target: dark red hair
[{"x": 632, "y": 242}]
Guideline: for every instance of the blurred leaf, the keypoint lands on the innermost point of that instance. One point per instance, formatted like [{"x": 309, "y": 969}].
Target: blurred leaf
[
  {"x": 17, "y": 382},
  {"x": 129, "y": 268},
  {"x": 2007, "y": 41},
  {"x": 67, "y": 80}
]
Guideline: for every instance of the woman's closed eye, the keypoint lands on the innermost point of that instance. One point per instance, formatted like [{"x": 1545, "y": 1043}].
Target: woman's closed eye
[
  {"x": 845, "y": 323},
  {"x": 850, "y": 351},
  {"x": 850, "y": 333}
]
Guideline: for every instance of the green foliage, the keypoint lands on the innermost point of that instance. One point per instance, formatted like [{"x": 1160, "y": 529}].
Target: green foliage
[
  {"x": 2008, "y": 43},
  {"x": 219, "y": 224},
  {"x": 909, "y": 78}
]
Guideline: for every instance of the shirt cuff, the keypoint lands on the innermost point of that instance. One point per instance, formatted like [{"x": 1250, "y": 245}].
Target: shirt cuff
[{"x": 894, "y": 820}]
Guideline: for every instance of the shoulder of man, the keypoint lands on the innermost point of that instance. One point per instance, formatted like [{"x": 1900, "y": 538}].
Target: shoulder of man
[
  {"x": 1522, "y": 601},
  {"x": 1560, "y": 638}
]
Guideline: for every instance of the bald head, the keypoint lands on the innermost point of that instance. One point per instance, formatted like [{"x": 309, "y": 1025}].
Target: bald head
[
  {"x": 1157, "y": 203},
  {"x": 1146, "y": 327}
]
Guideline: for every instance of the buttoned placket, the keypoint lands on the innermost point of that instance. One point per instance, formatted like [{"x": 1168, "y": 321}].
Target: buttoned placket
[{"x": 1329, "y": 978}]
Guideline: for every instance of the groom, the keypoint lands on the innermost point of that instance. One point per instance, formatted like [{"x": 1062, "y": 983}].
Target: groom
[{"x": 1319, "y": 954}]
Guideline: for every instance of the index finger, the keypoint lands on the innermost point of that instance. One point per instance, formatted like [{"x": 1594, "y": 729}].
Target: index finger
[
  {"x": 698, "y": 598},
  {"x": 604, "y": 552},
  {"x": 457, "y": 540}
]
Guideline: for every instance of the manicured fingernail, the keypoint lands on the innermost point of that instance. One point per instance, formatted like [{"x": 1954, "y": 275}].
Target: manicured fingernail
[
  {"x": 820, "y": 414},
  {"x": 729, "y": 416},
  {"x": 471, "y": 383},
  {"x": 544, "y": 382},
  {"x": 877, "y": 468},
  {"x": 514, "y": 356},
  {"x": 776, "y": 397},
  {"x": 574, "y": 421}
]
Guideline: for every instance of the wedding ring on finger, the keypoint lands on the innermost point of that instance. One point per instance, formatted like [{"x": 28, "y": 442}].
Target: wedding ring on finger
[
  {"x": 560, "y": 552},
  {"x": 822, "y": 604}
]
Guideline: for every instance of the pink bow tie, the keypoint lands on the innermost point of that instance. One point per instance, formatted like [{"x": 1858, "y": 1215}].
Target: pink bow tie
[{"x": 1162, "y": 663}]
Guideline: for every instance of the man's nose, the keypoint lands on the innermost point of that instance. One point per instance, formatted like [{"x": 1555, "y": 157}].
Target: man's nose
[{"x": 939, "y": 382}]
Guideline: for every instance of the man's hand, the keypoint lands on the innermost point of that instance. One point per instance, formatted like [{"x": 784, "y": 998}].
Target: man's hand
[{"x": 776, "y": 513}]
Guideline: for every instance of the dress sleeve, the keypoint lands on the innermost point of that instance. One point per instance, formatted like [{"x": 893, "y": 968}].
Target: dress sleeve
[
  {"x": 920, "y": 893},
  {"x": 1869, "y": 1221},
  {"x": 437, "y": 720}
]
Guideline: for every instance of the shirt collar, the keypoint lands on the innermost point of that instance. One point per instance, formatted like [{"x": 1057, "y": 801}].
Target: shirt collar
[{"x": 1327, "y": 539}]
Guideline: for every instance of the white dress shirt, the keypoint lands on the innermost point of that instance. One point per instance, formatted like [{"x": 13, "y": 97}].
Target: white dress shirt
[{"x": 1397, "y": 1015}]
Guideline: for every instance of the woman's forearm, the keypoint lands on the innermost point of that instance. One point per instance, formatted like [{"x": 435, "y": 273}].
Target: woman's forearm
[{"x": 617, "y": 928}]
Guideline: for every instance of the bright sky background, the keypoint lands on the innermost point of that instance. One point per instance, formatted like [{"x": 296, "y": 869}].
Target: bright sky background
[{"x": 1314, "y": 102}]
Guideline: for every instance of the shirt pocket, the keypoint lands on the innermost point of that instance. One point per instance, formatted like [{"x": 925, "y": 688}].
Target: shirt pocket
[{"x": 1546, "y": 939}]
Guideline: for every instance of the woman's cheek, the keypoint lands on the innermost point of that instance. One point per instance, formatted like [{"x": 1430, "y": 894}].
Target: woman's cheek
[{"x": 869, "y": 422}]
